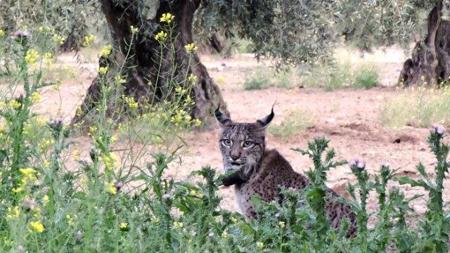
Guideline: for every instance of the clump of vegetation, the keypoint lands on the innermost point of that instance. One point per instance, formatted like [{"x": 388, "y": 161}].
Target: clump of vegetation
[
  {"x": 265, "y": 77},
  {"x": 365, "y": 77},
  {"x": 327, "y": 76},
  {"x": 294, "y": 123},
  {"x": 418, "y": 107},
  {"x": 337, "y": 75},
  {"x": 260, "y": 79}
]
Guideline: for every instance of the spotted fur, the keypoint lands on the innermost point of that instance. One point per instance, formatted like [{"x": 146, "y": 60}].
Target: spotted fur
[{"x": 263, "y": 172}]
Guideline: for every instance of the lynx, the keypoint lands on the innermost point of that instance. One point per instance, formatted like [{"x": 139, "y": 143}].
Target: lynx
[{"x": 262, "y": 172}]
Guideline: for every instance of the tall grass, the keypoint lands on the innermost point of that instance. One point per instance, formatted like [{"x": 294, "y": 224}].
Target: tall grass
[
  {"x": 418, "y": 107},
  {"x": 338, "y": 75},
  {"x": 265, "y": 77}
]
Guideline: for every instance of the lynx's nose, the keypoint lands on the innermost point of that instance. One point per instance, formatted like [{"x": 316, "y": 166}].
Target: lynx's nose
[{"x": 234, "y": 157}]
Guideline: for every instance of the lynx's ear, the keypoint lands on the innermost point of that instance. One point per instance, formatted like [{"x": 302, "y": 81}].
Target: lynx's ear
[
  {"x": 264, "y": 122},
  {"x": 223, "y": 119}
]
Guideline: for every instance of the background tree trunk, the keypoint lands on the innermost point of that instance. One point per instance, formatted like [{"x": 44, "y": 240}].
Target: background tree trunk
[
  {"x": 430, "y": 62},
  {"x": 150, "y": 70}
]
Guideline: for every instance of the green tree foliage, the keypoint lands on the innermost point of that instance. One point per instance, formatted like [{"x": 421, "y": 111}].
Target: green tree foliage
[
  {"x": 297, "y": 31},
  {"x": 70, "y": 19}
]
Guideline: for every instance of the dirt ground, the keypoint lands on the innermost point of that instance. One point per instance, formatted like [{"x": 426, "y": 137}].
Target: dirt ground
[{"x": 349, "y": 118}]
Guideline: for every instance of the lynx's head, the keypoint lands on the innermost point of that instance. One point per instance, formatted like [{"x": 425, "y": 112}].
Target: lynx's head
[{"x": 242, "y": 144}]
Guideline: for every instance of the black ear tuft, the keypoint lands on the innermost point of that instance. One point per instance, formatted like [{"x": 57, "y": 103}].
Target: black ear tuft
[
  {"x": 264, "y": 122},
  {"x": 223, "y": 119}
]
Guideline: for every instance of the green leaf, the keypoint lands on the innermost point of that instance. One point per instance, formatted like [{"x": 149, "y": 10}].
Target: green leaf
[{"x": 414, "y": 183}]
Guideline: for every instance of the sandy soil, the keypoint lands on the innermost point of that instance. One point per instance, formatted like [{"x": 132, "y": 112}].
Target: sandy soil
[{"x": 348, "y": 117}]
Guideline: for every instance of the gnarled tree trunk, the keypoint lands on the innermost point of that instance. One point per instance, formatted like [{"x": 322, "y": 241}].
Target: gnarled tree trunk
[
  {"x": 151, "y": 70},
  {"x": 430, "y": 61}
]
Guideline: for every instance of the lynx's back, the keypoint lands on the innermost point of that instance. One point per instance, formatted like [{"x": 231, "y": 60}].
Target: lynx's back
[{"x": 262, "y": 172}]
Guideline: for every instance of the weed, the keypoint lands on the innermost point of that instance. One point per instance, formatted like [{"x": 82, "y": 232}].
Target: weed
[
  {"x": 328, "y": 76},
  {"x": 259, "y": 80},
  {"x": 265, "y": 77},
  {"x": 419, "y": 107},
  {"x": 365, "y": 77}
]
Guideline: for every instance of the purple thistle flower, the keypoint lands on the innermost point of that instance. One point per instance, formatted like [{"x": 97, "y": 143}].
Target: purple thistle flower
[
  {"x": 119, "y": 185},
  {"x": 438, "y": 129},
  {"x": 358, "y": 163},
  {"x": 21, "y": 34}
]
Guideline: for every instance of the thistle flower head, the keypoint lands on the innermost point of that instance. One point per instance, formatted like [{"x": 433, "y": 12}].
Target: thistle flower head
[
  {"x": 358, "y": 164},
  {"x": 438, "y": 129},
  {"x": 21, "y": 34},
  {"x": 119, "y": 185}
]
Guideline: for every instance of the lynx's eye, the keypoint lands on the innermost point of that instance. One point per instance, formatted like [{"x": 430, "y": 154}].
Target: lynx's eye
[
  {"x": 247, "y": 144},
  {"x": 226, "y": 142}
]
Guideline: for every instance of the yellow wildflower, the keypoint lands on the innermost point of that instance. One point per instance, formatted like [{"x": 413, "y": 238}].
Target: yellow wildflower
[
  {"x": 58, "y": 39},
  {"x": 111, "y": 188},
  {"x": 45, "y": 200},
  {"x": 92, "y": 130},
  {"x": 114, "y": 138},
  {"x": 178, "y": 118},
  {"x": 188, "y": 100},
  {"x": 131, "y": 103},
  {"x": 46, "y": 143},
  {"x": 225, "y": 234},
  {"x": 48, "y": 59},
  {"x": 167, "y": 18},
  {"x": 31, "y": 56},
  {"x": 109, "y": 160},
  {"x": 192, "y": 78},
  {"x": 106, "y": 51},
  {"x": 37, "y": 226},
  {"x": 70, "y": 220},
  {"x": 190, "y": 48},
  {"x": 161, "y": 36},
  {"x": 15, "y": 104},
  {"x": 123, "y": 225},
  {"x": 178, "y": 225},
  {"x": 197, "y": 122},
  {"x": 43, "y": 29},
  {"x": 41, "y": 121},
  {"x": 103, "y": 70},
  {"x": 134, "y": 29},
  {"x": 180, "y": 90},
  {"x": 118, "y": 80},
  {"x": 88, "y": 40},
  {"x": 27, "y": 171},
  {"x": 2, "y": 33},
  {"x": 18, "y": 189},
  {"x": 13, "y": 212},
  {"x": 260, "y": 245},
  {"x": 35, "y": 97}
]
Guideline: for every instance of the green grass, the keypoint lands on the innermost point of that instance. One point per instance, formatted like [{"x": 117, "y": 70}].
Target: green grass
[
  {"x": 294, "y": 123},
  {"x": 417, "y": 107},
  {"x": 329, "y": 77},
  {"x": 265, "y": 77},
  {"x": 338, "y": 75},
  {"x": 365, "y": 77}
]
